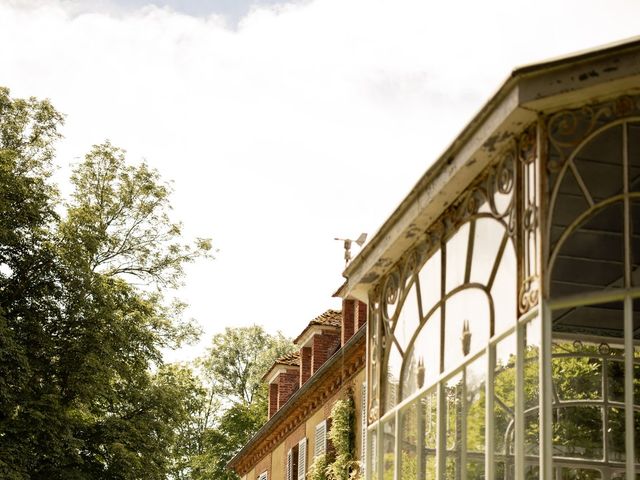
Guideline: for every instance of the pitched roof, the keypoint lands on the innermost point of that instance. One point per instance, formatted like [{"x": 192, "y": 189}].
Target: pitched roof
[
  {"x": 292, "y": 359},
  {"x": 330, "y": 318}
]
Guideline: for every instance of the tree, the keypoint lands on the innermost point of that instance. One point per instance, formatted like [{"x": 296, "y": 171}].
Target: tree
[
  {"x": 236, "y": 404},
  {"x": 84, "y": 313},
  {"x": 239, "y": 357}
]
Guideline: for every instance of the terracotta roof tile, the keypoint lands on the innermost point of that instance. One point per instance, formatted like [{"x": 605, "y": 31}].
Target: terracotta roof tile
[
  {"x": 331, "y": 318},
  {"x": 292, "y": 359}
]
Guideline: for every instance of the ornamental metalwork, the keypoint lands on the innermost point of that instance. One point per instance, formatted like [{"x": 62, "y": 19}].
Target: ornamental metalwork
[{"x": 483, "y": 219}]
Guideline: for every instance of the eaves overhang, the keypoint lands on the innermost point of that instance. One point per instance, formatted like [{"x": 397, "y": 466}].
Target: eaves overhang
[{"x": 528, "y": 92}]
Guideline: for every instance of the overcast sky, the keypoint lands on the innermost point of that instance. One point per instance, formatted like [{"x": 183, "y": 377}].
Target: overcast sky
[{"x": 282, "y": 124}]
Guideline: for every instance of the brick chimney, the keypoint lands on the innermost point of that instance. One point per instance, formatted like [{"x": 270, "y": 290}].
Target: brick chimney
[
  {"x": 354, "y": 316},
  {"x": 323, "y": 346}
]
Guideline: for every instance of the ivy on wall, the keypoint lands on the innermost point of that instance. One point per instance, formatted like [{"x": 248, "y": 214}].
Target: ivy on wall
[{"x": 339, "y": 463}]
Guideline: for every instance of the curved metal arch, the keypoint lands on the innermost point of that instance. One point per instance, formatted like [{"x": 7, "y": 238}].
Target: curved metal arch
[
  {"x": 435, "y": 308},
  {"x": 592, "y": 208},
  {"x": 570, "y": 229},
  {"x": 574, "y": 153}
]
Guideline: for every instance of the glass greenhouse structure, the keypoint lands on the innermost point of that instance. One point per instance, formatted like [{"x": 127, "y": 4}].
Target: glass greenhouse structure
[{"x": 504, "y": 292}]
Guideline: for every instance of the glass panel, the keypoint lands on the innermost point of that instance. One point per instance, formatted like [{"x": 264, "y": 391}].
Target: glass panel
[
  {"x": 503, "y": 291},
  {"x": 599, "y": 163},
  {"x": 487, "y": 240},
  {"x": 457, "y": 258},
  {"x": 430, "y": 280},
  {"x": 408, "y": 319},
  {"x": 570, "y": 203},
  {"x": 615, "y": 380},
  {"x": 422, "y": 363},
  {"x": 634, "y": 156},
  {"x": 532, "y": 387},
  {"x": 411, "y": 430},
  {"x": 504, "y": 387},
  {"x": 636, "y": 320},
  {"x": 635, "y": 242},
  {"x": 577, "y": 432},
  {"x": 576, "y": 376},
  {"x": 393, "y": 378},
  {"x": 388, "y": 448},
  {"x": 467, "y": 325},
  {"x": 475, "y": 375},
  {"x": 429, "y": 407},
  {"x": 579, "y": 474},
  {"x": 615, "y": 432},
  {"x": 453, "y": 392},
  {"x": 601, "y": 320},
  {"x": 592, "y": 258},
  {"x": 372, "y": 452}
]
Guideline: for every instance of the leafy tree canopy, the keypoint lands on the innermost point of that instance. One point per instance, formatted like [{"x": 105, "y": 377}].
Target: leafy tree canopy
[{"x": 83, "y": 311}]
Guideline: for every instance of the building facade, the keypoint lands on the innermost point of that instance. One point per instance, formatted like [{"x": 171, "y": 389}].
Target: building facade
[
  {"x": 504, "y": 292},
  {"x": 328, "y": 366}
]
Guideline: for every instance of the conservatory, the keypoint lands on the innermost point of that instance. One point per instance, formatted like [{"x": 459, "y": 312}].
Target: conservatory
[{"x": 504, "y": 291}]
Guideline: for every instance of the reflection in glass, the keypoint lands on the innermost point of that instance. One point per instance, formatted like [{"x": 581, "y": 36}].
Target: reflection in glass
[
  {"x": 504, "y": 387},
  {"x": 394, "y": 363},
  {"x": 410, "y": 442},
  {"x": 422, "y": 362},
  {"x": 388, "y": 449},
  {"x": 475, "y": 381},
  {"x": 577, "y": 432},
  {"x": 467, "y": 316},
  {"x": 575, "y": 376},
  {"x": 453, "y": 404},
  {"x": 532, "y": 387},
  {"x": 430, "y": 414},
  {"x": 578, "y": 474},
  {"x": 615, "y": 432},
  {"x": 372, "y": 451}
]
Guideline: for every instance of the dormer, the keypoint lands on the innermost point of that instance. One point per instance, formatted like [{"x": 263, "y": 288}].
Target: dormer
[
  {"x": 318, "y": 342},
  {"x": 283, "y": 379}
]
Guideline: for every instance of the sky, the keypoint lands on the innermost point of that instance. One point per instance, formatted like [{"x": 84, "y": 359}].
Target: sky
[{"x": 282, "y": 124}]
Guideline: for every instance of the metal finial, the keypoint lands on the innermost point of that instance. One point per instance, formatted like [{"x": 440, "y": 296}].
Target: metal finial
[{"x": 466, "y": 338}]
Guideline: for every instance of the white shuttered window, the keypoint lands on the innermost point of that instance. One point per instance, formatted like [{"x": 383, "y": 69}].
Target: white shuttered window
[
  {"x": 302, "y": 459},
  {"x": 263, "y": 476},
  {"x": 321, "y": 439},
  {"x": 289, "y": 475}
]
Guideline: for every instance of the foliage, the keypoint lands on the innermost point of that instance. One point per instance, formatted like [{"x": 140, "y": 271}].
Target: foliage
[
  {"x": 239, "y": 357},
  {"x": 319, "y": 468},
  {"x": 83, "y": 391},
  {"x": 342, "y": 436},
  {"x": 236, "y": 398}
]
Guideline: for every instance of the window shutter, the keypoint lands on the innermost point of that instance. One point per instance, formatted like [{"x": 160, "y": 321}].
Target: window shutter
[
  {"x": 363, "y": 427},
  {"x": 302, "y": 459},
  {"x": 263, "y": 476},
  {"x": 289, "y": 475},
  {"x": 321, "y": 439}
]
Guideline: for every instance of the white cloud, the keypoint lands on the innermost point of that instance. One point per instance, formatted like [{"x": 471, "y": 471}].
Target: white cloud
[{"x": 307, "y": 121}]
